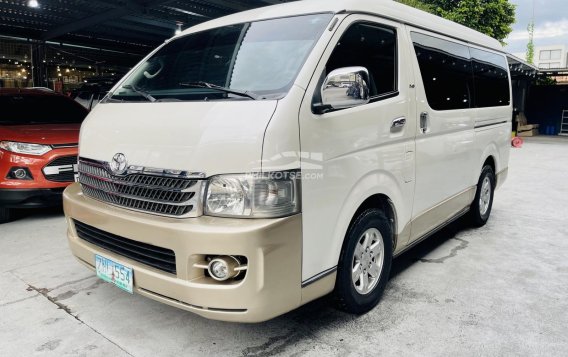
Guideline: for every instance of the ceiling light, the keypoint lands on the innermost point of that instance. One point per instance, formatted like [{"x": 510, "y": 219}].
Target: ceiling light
[{"x": 33, "y": 3}]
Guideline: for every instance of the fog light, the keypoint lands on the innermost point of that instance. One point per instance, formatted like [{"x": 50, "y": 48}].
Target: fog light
[
  {"x": 223, "y": 268},
  {"x": 20, "y": 173}
]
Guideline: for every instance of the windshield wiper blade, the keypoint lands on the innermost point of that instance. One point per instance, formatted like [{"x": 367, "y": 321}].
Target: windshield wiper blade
[
  {"x": 146, "y": 95},
  {"x": 202, "y": 84}
]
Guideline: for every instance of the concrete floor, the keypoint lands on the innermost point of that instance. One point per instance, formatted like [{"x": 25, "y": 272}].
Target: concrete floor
[{"x": 496, "y": 291}]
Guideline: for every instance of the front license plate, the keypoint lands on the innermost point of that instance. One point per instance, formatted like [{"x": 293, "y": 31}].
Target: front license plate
[{"x": 113, "y": 272}]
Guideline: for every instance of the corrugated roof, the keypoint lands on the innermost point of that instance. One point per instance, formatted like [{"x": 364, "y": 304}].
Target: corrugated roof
[{"x": 129, "y": 25}]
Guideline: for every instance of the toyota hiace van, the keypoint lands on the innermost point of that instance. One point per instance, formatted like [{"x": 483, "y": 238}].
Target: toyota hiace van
[{"x": 259, "y": 161}]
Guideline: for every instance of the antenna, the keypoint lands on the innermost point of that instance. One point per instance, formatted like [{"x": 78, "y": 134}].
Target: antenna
[{"x": 530, "y": 45}]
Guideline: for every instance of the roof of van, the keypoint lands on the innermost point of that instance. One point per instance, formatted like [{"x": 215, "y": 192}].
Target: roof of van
[{"x": 384, "y": 8}]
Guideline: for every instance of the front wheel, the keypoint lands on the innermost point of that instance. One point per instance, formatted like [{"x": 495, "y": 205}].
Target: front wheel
[
  {"x": 480, "y": 209},
  {"x": 365, "y": 262}
]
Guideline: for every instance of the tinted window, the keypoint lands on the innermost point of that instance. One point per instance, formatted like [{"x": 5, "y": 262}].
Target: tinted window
[
  {"x": 44, "y": 109},
  {"x": 371, "y": 47},
  {"x": 446, "y": 72},
  {"x": 262, "y": 57},
  {"x": 491, "y": 79}
]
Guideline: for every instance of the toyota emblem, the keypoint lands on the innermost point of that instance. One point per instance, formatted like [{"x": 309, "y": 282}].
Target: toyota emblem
[{"x": 118, "y": 164}]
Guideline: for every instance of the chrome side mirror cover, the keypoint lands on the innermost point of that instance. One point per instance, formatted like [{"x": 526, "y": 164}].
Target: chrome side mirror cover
[{"x": 345, "y": 87}]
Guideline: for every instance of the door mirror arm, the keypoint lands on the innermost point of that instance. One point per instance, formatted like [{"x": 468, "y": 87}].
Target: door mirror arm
[{"x": 320, "y": 108}]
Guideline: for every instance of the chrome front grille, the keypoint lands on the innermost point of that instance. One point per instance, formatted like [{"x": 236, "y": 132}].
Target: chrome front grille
[{"x": 151, "y": 192}]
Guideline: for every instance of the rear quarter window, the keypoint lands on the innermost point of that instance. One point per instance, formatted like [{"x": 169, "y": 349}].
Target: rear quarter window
[{"x": 491, "y": 79}]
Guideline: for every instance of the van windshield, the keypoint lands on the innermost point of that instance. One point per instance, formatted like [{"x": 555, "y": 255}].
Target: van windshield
[{"x": 255, "y": 60}]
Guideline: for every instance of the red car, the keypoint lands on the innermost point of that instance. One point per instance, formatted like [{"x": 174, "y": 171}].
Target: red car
[{"x": 39, "y": 133}]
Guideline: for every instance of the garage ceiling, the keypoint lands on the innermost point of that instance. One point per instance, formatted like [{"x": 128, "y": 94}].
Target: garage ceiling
[{"x": 130, "y": 25}]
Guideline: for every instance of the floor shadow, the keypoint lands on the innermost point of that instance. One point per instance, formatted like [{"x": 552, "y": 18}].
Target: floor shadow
[{"x": 38, "y": 213}]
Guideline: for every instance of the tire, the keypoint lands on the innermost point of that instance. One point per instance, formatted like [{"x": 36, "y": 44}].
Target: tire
[
  {"x": 481, "y": 206},
  {"x": 351, "y": 293},
  {"x": 6, "y": 215}
]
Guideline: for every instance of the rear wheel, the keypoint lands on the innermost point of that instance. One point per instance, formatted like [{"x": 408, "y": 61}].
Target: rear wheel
[
  {"x": 365, "y": 263},
  {"x": 480, "y": 209},
  {"x": 6, "y": 215}
]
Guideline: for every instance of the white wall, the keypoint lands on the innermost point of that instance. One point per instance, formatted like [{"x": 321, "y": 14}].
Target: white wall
[{"x": 553, "y": 56}]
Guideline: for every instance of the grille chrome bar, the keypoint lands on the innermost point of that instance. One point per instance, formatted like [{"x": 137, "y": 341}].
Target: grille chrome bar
[
  {"x": 152, "y": 191},
  {"x": 61, "y": 169}
]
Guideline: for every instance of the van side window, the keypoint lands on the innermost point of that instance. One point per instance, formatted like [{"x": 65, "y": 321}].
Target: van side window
[
  {"x": 372, "y": 47},
  {"x": 491, "y": 79},
  {"x": 446, "y": 72}
]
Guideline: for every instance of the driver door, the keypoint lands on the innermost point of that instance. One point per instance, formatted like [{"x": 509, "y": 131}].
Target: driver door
[{"x": 362, "y": 152}]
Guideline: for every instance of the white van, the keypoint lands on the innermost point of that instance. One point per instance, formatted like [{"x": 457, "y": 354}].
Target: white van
[{"x": 259, "y": 161}]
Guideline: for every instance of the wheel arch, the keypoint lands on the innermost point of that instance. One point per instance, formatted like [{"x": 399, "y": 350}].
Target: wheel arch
[
  {"x": 490, "y": 157},
  {"x": 376, "y": 190},
  {"x": 385, "y": 204}
]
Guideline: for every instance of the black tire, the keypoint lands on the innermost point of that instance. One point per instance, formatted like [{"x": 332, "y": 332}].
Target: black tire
[
  {"x": 6, "y": 215},
  {"x": 477, "y": 215},
  {"x": 347, "y": 296}
]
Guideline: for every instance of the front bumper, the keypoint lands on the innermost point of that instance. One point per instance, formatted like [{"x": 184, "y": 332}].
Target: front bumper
[
  {"x": 20, "y": 198},
  {"x": 35, "y": 164},
  {"x": 271, "y": 287}
]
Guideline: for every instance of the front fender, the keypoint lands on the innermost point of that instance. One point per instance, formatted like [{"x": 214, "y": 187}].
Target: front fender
[{"x": 373, "y": 183}]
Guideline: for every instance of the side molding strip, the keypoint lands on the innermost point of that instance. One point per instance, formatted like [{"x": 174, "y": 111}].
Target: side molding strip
[
  {"x": 434, "y": 231},
  {"x": 318, "y": 276},
  {"x": 486, "y": 125}
]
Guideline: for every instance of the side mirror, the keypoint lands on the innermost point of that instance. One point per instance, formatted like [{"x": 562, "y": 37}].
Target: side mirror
[{"x": 345, "y": 88}]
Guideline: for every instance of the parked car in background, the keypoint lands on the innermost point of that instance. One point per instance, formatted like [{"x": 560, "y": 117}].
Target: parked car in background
[
  {"x": 39, "y": 132},
  {"x": 90, "y": 93},
  {"x": 45, "y": 89}
]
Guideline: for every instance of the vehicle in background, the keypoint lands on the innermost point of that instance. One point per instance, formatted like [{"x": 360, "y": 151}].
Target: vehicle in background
[
  {"x": 42, "y": 89},
  {"x": 259, "y": 161},
  {"x": 39, "y": 132},
  {"x": 93, "y": 90}
]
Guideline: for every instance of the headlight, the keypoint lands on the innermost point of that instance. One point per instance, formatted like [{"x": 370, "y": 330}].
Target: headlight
[
  {"x": 25, "y": 148},
  {"x": 274, "y": 194}
]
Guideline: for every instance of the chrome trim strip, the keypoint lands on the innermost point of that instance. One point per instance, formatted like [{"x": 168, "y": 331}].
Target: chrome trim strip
[
  {"x": 132, "y": 184},
  {"x": 134, "y": 169},
  {"x": 56, "y": 170},
  {"x": 319, "y": 276},
  {"x": 486, "y": 125}
]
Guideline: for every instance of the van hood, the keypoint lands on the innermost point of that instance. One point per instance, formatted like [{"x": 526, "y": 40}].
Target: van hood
[
  {"x": 48, "y": 134},
  {"x": 206, "y": 137}
]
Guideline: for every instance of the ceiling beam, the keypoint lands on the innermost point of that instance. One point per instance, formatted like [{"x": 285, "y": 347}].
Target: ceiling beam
[
  {"x": 129, "y": 7},
  {"x": 273, "y": 2},
  {"x": 224, "y": 4}
]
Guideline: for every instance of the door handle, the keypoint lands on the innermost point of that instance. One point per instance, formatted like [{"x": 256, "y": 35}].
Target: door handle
[
  {"x": 398, "y": 123},
  {"x": 424, "y": 122}
]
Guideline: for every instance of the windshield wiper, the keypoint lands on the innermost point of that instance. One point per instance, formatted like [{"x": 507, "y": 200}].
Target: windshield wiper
[
  {"x": 133, "y": 88},
  {"x": 202, "y": 84}
]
